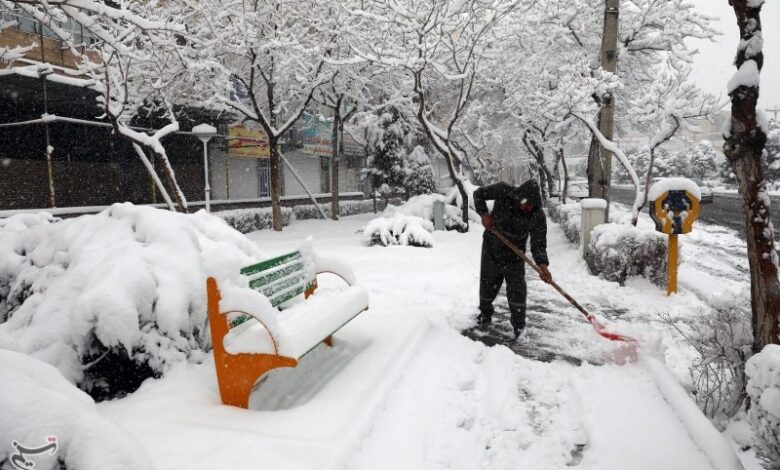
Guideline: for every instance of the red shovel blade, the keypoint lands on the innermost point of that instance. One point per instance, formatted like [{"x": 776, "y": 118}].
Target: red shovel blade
[{"x": 601, "y": 330}]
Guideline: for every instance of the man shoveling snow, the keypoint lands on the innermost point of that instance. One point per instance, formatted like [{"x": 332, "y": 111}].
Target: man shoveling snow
[{"x": 517, "y": 212}]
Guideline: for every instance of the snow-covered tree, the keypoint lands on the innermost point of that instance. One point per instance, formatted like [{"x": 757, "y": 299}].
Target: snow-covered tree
[
  {"x": 772, "y": 153},
  {"x": 703, "y": 160},
  {"x": 387, "y": 135},
  {"x": 744, "y": 144},
  {"x": 437, "y": 45},
  {"x": 263, "y": 62},
  {"x": 559, "y": 78},
  {"x": 419, "y": 174}
]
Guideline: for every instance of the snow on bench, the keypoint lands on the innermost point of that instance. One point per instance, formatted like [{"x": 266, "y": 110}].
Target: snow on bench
[{"x": 269, "y": 325}]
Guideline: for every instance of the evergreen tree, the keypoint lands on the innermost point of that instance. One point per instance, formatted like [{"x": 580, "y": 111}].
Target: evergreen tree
[
  {"x": 386, "y": 137},
  {"x": 772, "y": 154},
  {"x": 678, "y": 164},
  {"x": 702, "y": 160},
  {"x": 419, "y": 179}
]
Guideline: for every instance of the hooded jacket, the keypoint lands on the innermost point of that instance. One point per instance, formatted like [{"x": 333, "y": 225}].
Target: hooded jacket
[{"x": 516, "y": 224}]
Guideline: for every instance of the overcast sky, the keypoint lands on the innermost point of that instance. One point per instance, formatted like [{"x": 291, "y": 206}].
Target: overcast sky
[{"x": 713, "y": 66}]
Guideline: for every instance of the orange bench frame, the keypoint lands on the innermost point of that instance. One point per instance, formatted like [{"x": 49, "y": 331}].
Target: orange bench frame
[{"x": 238, "y": 373}]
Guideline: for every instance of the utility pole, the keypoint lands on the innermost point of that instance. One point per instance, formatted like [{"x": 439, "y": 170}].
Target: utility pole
[
  {"x": 600, "y": 159},
  {"x": 774, "y": 112}
]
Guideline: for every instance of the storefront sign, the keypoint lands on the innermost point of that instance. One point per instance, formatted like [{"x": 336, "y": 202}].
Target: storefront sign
[
  {"x": 317, "y": 135},
  {"x": 247, "y": 142}
]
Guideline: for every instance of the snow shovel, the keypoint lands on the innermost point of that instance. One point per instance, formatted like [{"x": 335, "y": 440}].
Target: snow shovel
[{"x": 597, "y": 325}]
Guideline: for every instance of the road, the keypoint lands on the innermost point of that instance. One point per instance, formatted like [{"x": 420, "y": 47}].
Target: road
[{"x": 725, "y": 209}]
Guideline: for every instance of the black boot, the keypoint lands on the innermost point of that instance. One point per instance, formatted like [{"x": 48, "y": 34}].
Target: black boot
[
  {"x": 518, "y": 330},
  {"x": 485, "y": 316},
  {"x": 518, "y": 320}
]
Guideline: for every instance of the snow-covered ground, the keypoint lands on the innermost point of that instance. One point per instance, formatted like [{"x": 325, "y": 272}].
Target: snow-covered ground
[{"x": 402, "y": 388}]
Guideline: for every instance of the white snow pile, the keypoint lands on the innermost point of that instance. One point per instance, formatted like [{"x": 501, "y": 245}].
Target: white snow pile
[
  {"x": 673, "y": 184},
  {"x": 453, "y": 197},
  {"x": 763, "y": 387},
  {"x": 569, "y": 217},
  {"x": 113, "y": 298},
  {"x": 39, "y": 404},
  {"x": 619, "y": 251},
  {"x": 399, "y": 229},
  {"x": 422, "y": 206}
]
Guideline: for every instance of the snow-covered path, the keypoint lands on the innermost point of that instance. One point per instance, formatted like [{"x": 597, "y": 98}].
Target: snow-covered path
[{"x": 403, "y": 389}]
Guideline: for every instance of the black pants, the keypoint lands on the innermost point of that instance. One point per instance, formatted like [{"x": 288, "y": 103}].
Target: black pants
[{"x": 499, "y": 264}]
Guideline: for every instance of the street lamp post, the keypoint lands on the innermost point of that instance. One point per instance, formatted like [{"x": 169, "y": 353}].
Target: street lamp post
[{"x": 205, "y": 132}]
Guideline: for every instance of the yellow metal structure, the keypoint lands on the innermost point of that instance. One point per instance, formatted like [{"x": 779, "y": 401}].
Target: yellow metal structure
[
  {"x": 664, "y": 215},
  {"x": 671, "y": 279},
  {"x": 661, "y": 214}
]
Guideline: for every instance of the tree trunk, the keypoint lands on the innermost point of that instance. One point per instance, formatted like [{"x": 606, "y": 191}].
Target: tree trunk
[
  {"x": 334, "y": 161},
  {"x": 565, "y": 190},
  {"x": 764, "y": 283},
  {"x": 648, "y": 177},
  {"x": 276, "y": 185},
  {"x": 181, "y": 203},
  {"x": 743, "y": 147},
  {"x": 599, "y": 159}
]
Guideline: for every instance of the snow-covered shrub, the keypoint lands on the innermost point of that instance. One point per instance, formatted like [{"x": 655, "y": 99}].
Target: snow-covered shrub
[
  {"x": 249, "y": 220},
  {"x": 419, "y": 178},
  {"x": 619, "y": 251},
  {"x": 722, "y": 342},
  {"x": 38, "y": 402},
  {"x": 113, "y": 298},
  {"x": 422, "y": 206},
  {"x": 569, "y": 217},
  {"x": 399, "y": 230},
  {"x": 763, "y": 387}
]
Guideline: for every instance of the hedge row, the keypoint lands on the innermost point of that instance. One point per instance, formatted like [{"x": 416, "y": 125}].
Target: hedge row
[{"x": 259, "y": 218}]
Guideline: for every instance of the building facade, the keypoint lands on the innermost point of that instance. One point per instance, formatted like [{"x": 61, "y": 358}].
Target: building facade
[{"x": 91, "y": 166}]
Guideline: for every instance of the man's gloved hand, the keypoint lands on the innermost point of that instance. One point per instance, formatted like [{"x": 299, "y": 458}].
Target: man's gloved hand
[
  {"x": 545, "y": 273},
  {"x": 487, "y": 221}
]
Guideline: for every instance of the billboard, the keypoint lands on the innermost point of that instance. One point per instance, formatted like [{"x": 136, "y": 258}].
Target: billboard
[
  {"x": 247, "y": 142},
  {"x": 317, "y": 135},
  {"x": 349, "y": 146}
]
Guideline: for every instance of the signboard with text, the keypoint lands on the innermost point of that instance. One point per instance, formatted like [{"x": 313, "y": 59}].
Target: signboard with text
[
  {"x": 247, "y": 142},
  {"x": 317, "y": 135}
]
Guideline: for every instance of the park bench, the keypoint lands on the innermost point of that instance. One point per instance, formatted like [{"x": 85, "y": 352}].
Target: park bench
[{"x": 278, "y": 319}]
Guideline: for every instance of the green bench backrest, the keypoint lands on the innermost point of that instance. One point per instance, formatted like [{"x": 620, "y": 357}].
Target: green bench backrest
[{"x": 280, "y": 279}]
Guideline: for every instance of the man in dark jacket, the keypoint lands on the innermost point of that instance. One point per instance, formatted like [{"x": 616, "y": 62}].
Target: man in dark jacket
[{"x": 517, "y": 212}]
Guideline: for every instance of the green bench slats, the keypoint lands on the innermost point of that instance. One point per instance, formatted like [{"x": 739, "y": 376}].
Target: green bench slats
[
  {"x": 280, "y": 279},
  {"x": 277, "y": 275},
  {"x": 271, "y": 263}
]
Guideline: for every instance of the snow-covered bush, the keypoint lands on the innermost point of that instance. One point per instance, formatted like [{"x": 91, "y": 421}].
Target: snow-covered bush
[
  {"x": 399, "y": 230},
  {"x": 422, "y": 206},
  {"x": 113, "y": 298},
  {"x": 722, "y": 342},
  {"x": 619, "y": 251},
  {"x": 569, "y": 217},
  {"x": 39, "y": 403},
  {"x": 249, "y": 220},
  {"x": 763, "y": 387}
]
